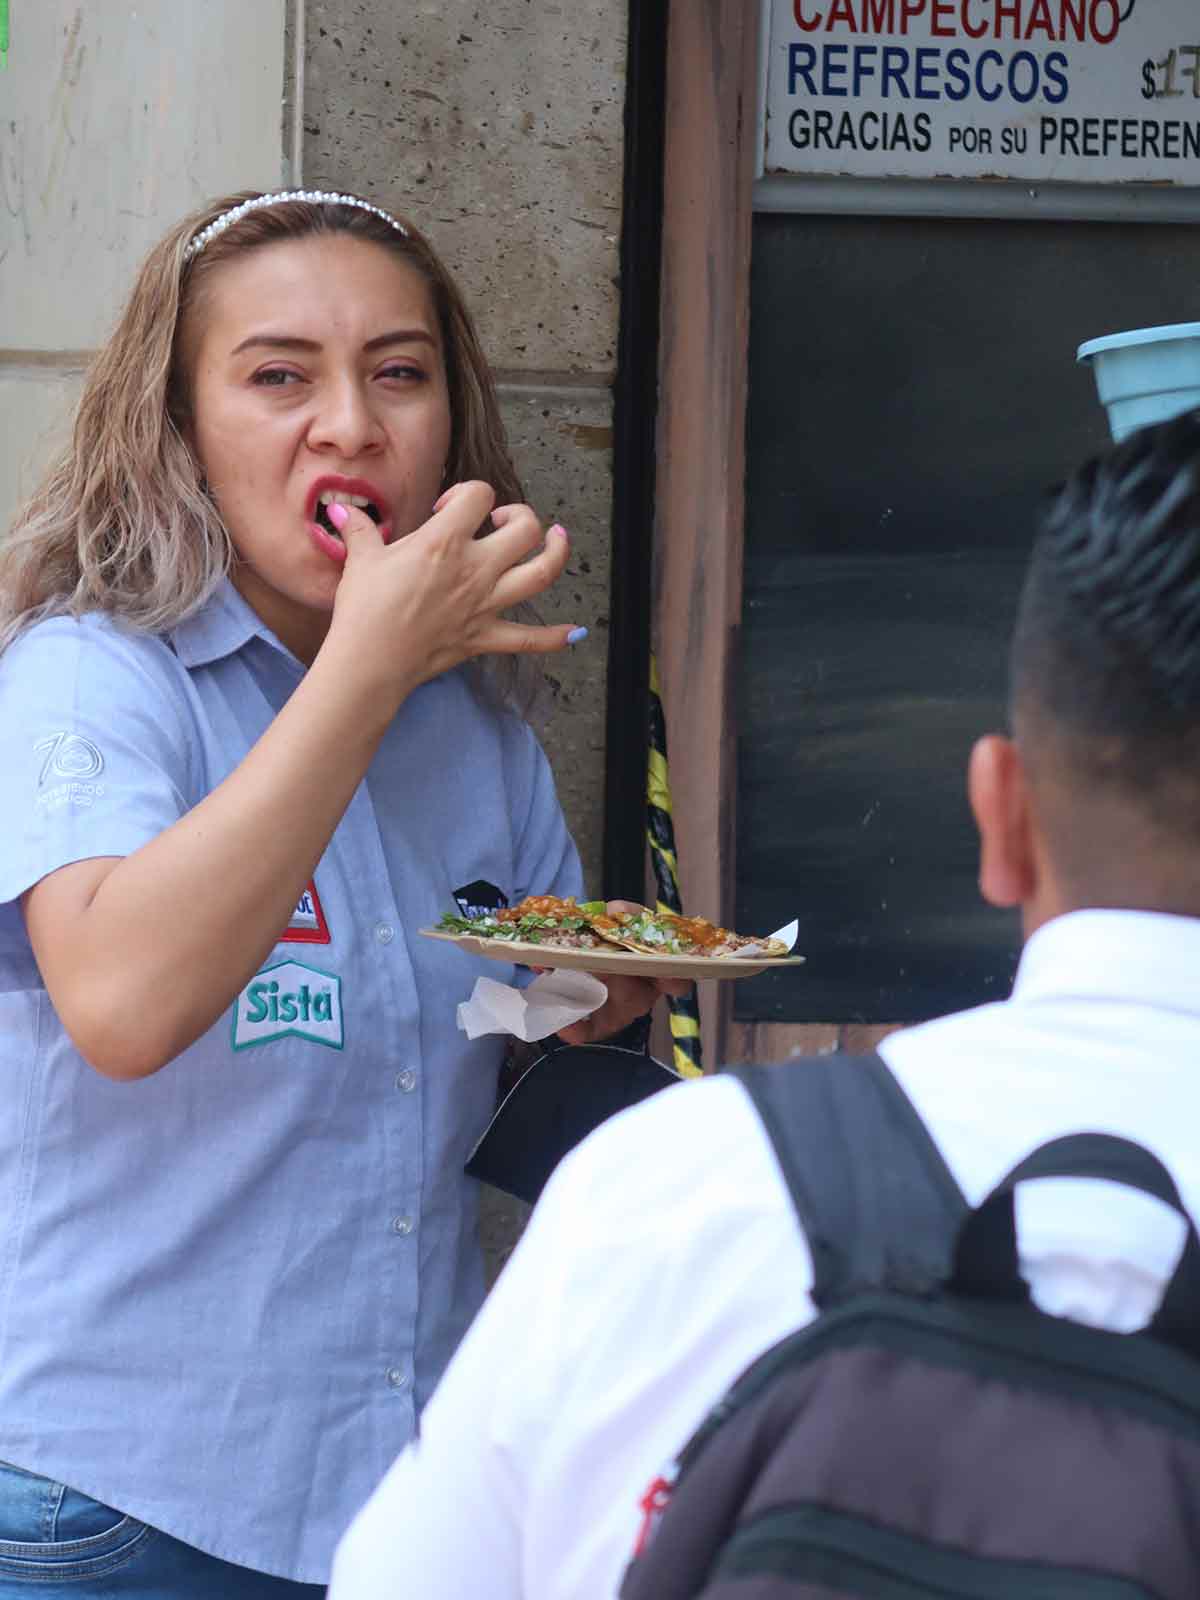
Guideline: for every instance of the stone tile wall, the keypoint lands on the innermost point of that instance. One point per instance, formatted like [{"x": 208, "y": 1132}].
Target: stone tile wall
[{"x": 108, "y": 137}]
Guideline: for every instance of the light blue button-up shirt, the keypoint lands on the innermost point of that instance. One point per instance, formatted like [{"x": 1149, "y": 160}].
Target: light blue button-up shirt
[{"x": 227, "y": 1289}]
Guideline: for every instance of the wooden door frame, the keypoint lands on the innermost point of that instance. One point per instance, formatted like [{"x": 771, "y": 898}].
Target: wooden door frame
[
  {"x": 711, "y": 104},
  {"x": 712, "y": 85}
]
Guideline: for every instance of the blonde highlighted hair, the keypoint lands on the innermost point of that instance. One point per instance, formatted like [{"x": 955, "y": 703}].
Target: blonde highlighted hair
[{"x": 122, "y": 521}]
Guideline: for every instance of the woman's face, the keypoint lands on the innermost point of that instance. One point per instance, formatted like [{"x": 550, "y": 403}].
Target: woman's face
[{"x": 316, "y": 369}]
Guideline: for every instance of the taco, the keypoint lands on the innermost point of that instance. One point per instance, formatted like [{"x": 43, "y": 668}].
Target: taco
[
  {"x": 589, "y": 925},
  {"x": 666, "y": 933},
  {"x": 542, "y": 919}
]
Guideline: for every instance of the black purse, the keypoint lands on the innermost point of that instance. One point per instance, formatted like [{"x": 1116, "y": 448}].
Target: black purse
[{"x": 569, "y": 1090}]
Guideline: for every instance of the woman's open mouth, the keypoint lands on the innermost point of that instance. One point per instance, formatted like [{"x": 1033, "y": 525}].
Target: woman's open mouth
[
  {"x": 328, "y": 497},
  {"x": 360, "y": 493}
]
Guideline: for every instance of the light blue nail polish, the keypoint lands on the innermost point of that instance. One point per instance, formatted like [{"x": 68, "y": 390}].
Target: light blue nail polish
[{"x": 576, "y": 635}]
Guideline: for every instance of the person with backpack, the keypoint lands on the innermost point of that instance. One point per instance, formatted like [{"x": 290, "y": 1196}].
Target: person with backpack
[{"x": 949, "y": 1391}]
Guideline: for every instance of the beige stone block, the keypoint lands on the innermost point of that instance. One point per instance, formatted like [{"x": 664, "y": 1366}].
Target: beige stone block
[
  {"x": 36, "y": 410},
  {"x": 500, "y": 128},
  {"x": 115, "y": 120},
  {"x": 561, "y": 440}
]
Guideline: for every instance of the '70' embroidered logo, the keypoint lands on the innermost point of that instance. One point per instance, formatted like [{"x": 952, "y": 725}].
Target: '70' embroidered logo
[{"x": 68, "y": 755}]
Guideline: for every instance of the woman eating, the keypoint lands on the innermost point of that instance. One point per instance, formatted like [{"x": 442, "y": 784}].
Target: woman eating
[{"x": 260, "y": 720}]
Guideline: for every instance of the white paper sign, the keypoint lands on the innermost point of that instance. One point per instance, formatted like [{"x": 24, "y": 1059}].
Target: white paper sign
[{"x": 1078, "y": 91}]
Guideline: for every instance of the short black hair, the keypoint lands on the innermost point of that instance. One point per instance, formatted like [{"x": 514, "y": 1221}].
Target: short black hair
[{"x": 1106, "y": 646}]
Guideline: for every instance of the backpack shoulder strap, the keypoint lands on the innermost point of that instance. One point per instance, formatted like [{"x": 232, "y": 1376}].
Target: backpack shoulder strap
[{"x": 878, "y": 1204}]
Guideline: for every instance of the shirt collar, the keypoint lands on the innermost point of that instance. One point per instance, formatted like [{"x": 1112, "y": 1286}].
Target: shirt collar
[
  {"x": 221, "y": 627},
  {"x": 1146, "y": 957}
]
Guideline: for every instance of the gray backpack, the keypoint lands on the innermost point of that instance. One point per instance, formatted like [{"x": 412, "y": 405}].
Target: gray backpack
[{"x": 932, "y": 1433}]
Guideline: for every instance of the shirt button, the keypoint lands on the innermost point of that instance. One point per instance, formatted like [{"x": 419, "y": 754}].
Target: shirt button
[
  {"x": 396, "y": 1377},
  {"x": 384, "y": 932},
  {"x": 402, "y": 1224},
  {"x": 406, "y": 1081}
]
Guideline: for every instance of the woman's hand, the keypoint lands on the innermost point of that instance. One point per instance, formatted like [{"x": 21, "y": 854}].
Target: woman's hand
[
  {"x": 628, "y": 998},
  {"x": 408, "y": 611}
]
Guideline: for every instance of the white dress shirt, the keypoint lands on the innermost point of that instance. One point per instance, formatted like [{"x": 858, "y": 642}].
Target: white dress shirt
[{"x": 665, "y": 1256}]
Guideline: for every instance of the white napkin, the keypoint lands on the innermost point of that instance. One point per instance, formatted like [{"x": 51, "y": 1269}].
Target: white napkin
[
  {"x": 552, "y": 1001},
  {"x": 786, "y": 935}
]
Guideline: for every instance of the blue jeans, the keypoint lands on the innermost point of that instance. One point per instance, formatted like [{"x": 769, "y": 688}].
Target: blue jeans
[{"x": 56, "y": 1544}]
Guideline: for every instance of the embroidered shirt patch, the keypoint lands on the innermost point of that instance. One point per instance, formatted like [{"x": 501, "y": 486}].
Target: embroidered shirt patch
[
  {"x": 68, "y": 755},
  {"x": 289, "y": 998},
  {"x": 479, "y": 897},
  {"x": 308, "y": 924},
  {"x": 76, "y": 763}
]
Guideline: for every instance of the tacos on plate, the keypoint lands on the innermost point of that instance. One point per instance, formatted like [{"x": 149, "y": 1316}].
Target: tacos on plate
[
  {"x": 538, "y": 919},
  {"x": 667, "y": 933},
  {"x": 589, "y": 925}
]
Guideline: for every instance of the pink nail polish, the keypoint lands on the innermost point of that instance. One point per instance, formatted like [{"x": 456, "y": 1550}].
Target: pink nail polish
[
  {"x": 558, "y": 528},
  {"x": 337, "y": 514}
]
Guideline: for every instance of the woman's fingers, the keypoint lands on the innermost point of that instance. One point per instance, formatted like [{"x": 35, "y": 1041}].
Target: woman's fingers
[
  {"x": 358, "y": 532},
  {"x": 504, "y": 638},
  {"x": 462, "y": 510},
  {"x": 534, "y": 576},
  {"x": 628, "y": 999},
  {"x": 463, "y": 507},
  {"x": 519, "y": 574},
  {"x": 516, "y": 534},
  {"x": 454, "y": 583}
]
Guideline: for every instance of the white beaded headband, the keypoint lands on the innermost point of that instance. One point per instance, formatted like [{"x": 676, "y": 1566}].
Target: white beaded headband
[{"x": 313, "y": 197}]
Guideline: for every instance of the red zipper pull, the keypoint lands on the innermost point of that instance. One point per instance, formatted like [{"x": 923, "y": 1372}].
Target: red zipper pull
[{"x": 652, "y": 1505}]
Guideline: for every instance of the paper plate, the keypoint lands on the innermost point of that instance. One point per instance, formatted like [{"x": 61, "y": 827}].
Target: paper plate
[{"x": 613, "y": 960}]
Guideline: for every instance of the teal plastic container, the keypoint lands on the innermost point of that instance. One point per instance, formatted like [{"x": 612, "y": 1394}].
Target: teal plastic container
[{"x": 1146, "y": 375}]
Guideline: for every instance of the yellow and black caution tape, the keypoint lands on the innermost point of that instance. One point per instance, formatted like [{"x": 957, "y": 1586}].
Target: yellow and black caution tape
[{"x": 660, "y": 831}]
